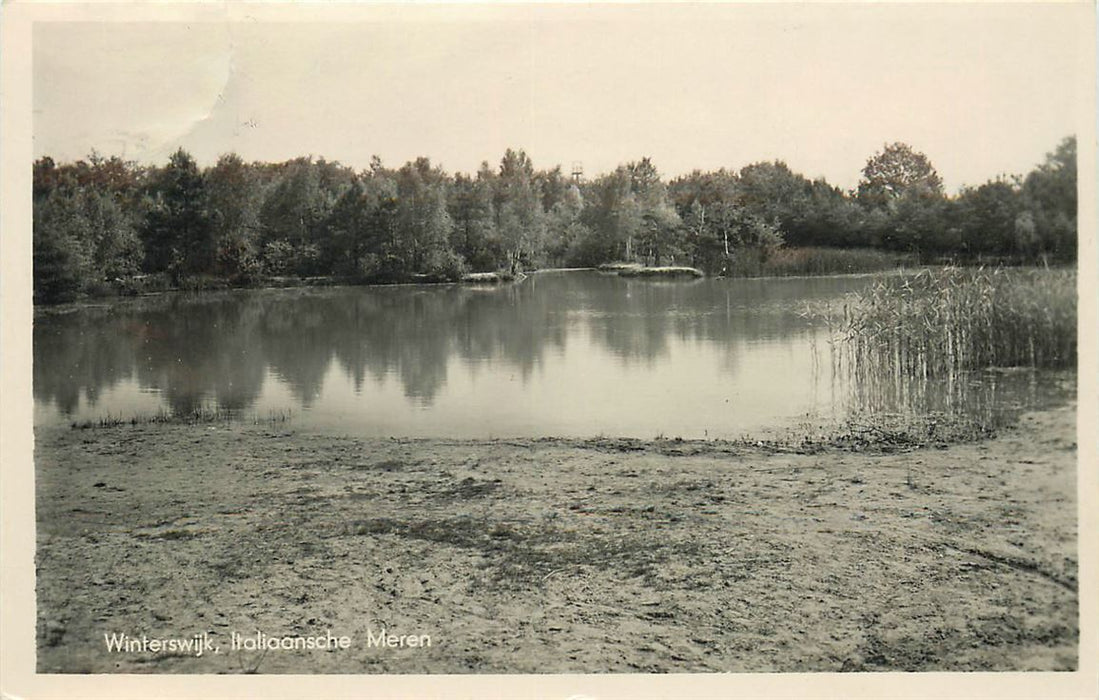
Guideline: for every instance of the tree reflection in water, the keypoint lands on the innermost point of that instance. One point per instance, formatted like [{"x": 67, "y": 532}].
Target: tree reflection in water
[{"x": 225, "y": 349}]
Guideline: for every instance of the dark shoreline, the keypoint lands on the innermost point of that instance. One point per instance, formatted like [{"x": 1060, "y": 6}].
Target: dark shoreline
[{"x": 472, "y": 279}]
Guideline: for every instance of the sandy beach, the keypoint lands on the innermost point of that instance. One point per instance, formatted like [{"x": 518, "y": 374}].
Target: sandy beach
[{"x": 551, "y": 556}]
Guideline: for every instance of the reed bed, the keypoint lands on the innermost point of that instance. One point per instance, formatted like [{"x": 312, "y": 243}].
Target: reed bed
[
  {"x": 814, "y": 261},
  {"x": 952, "y": 343},
  {"x": 940, "y": 322}
]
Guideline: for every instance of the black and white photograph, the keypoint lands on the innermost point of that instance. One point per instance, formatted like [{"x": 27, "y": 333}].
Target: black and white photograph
[{"x": 713, "y": 341}]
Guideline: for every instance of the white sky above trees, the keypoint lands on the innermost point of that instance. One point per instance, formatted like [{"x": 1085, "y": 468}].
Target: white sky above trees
[{"x": 981, "y": 89}]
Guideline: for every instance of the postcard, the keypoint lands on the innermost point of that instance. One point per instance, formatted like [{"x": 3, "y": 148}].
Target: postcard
[{"x": 556, "y": 350}]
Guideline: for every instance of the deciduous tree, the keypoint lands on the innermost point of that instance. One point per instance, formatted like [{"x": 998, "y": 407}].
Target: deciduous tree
[{"x": 895, "y": 172}]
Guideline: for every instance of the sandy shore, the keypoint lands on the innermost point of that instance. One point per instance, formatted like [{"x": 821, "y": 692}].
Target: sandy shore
[{"x": 531, "y": 556}]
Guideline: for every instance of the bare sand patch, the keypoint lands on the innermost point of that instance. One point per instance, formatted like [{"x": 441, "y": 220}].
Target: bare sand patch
[{"x": 555, "y": 556}]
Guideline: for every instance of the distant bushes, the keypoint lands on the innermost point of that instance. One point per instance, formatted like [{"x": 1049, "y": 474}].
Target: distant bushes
[{"x": 790, "y": 262}]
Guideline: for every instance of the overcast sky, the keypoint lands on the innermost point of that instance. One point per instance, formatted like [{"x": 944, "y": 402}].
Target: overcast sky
[{"x": 982, "y": 90}]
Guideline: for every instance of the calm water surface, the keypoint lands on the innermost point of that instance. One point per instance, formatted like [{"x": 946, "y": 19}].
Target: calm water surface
[{"x": 561, "y": 353}]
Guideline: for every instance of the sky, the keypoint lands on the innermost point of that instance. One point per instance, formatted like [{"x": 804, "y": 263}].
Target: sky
[{"x": 982, "y": 90}]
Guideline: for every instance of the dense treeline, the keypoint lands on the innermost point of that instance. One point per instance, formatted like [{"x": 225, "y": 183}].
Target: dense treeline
[{"x": 104, "y": 225}]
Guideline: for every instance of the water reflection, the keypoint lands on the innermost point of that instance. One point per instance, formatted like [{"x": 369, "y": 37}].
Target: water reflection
[
  {"x": 219, "y": 347},
  {"x": 560, "y": 353},
  {"x": 988, "y": 398}
]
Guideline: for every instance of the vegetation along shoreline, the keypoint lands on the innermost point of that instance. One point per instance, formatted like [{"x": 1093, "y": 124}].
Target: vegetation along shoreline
[{"x": 105, "y": 226}]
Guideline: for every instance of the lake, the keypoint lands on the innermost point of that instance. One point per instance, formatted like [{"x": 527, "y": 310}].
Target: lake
[{"x": 577, "y": 353}]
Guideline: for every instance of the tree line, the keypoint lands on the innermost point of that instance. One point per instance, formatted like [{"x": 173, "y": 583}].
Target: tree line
[{"x": 107, "y": 225}]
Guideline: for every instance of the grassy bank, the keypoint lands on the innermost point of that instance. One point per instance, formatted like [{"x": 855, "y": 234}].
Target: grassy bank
[
  {"x": 661, "y": 272},
  {"x": 142, "y": 285},
  {"x": 781, "y": 262},
  {"x": 632, "y": 269}
]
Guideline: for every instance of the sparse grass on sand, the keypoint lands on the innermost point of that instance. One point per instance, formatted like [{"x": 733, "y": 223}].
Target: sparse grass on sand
[{"x": 199, "y": 414}]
